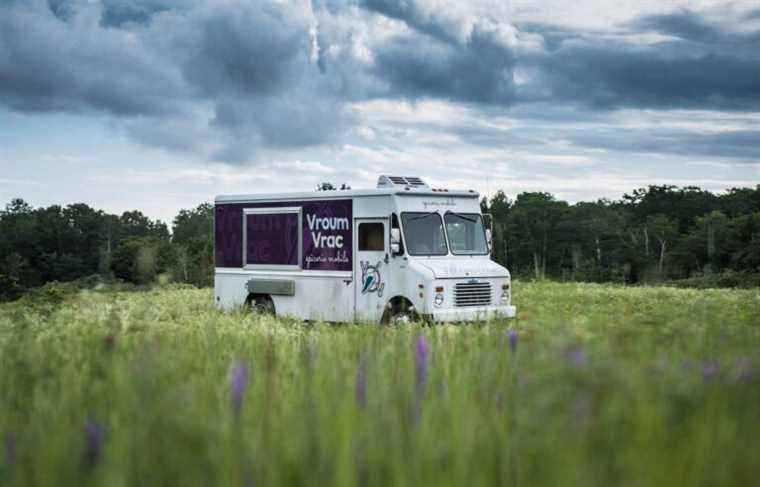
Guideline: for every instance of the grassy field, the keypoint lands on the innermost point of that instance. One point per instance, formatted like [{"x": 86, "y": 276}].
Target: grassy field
[{"x": 591, "y": 385}]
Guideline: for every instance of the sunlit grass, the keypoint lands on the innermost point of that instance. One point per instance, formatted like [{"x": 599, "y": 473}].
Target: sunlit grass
[{"x": 601, "y": 385}]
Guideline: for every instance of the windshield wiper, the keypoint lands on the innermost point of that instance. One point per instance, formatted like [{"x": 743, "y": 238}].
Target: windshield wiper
[
  {"x": 420, "y": 216},
  {"x": 462, "y": 216}
]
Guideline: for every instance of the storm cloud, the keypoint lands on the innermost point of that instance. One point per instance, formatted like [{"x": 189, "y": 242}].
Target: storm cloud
[
  {"x": 695, "y": 64},
  {"x": 50, "y": 64},
  {"x": 230, "y": 80}
]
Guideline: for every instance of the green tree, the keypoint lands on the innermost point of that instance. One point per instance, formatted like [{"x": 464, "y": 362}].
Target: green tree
[
  {"x": 192, "y": 236},
  {"x": 664, "y": 231},
  {"x": 141, "y": 259},
  {"x": 499, "y": 208},
  {"x": 533, "y": 224}
]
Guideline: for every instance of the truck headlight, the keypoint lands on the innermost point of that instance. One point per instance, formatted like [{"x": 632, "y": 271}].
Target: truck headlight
[
  {"x": 438, "y": 299},
  {"x": 505, "y": 293}
]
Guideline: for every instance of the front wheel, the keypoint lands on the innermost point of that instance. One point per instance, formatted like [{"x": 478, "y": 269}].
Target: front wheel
[
  {"x": 263, "y": 305},
  {"x": 402, "y": 319},
  {"x": 400, "y": 313}
]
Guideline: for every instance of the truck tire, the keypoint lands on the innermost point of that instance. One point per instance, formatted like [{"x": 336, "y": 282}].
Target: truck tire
[
  {"x": 262, "y": 305},
  {"x": 400, "y": 311}
]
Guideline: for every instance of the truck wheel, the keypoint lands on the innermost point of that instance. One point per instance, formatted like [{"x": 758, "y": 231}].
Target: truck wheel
[
  {"x": 399, "y": 312},
  {"x": 403, "y": 318},
  {"x": 262, "y": 305}
]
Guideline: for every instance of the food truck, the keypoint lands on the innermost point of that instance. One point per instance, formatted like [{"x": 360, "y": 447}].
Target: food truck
[{"x": 400, "y": 251}]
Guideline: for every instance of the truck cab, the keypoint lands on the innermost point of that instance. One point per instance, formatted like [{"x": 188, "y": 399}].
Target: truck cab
[{"x": 440, "y": 258}]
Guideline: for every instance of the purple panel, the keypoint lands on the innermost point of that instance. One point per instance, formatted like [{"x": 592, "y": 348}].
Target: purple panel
[
  {"x": 228, "y": 236},
  {"x": 272, "y": 239},
  {"x": 328, "y": 235}
]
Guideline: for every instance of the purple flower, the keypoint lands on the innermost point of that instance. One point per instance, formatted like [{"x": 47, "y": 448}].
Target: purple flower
[
  {"x": 422, "y": 353},
  {"x": 10, "y": 449},
  {"x": 575, "y": 355},
  {"x": 421, "y": 357},
  {"x": 710, "y": 370},
  {"x": 582, "y": 408},
  {"x": 238, "y": 384},
  {"x": 361, "y": 385},
  {"x": 745, "y": 371},
  {"x": 686, "y": 366},
  {"x": 93, "y": 442},
  {"x": 513, "y": 337}
]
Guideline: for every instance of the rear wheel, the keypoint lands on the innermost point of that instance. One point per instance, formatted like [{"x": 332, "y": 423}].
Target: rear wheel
[{"x": 262, "y": 305}]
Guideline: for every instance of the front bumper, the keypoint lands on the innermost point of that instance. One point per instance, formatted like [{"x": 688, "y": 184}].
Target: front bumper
[{"x": 483, "y": 313}]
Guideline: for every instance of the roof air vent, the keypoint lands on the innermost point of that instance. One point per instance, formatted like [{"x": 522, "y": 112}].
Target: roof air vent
[{"x": 401, "y": 182}]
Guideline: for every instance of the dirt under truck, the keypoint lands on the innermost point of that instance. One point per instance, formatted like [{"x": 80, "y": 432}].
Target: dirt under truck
[{"x": 402, "y": 250}]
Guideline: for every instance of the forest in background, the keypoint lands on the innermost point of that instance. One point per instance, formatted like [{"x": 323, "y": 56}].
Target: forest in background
[
  {"x": 660, "y": 234},
  {"x": 653, "y": 235}
]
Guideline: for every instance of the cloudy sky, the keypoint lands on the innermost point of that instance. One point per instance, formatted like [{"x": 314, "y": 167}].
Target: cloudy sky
[{"x": 161, "y": 104}]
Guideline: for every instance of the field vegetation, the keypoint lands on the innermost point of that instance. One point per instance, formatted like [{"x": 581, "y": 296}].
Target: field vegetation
[{"x": 590, "y": 385}]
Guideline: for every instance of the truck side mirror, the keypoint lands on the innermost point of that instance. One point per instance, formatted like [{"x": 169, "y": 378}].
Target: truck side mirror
[
  {"x": 489, "y": 240},
  {"x": 395, "y": 241}
]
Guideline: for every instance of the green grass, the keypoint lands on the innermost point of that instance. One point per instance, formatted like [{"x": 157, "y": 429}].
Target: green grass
[{"x": 607, "y": 386}]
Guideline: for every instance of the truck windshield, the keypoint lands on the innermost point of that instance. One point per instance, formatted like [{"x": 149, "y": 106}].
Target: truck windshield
[
  {"x": 423, "y": 233},
  {"x": 466, "y": 233}
]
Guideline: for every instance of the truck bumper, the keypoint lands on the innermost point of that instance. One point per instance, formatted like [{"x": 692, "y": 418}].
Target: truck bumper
[{"x": 473, "y": 314}]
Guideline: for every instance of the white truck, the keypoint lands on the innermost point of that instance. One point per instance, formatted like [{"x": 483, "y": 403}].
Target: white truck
[{"x": 400, "y": 251}]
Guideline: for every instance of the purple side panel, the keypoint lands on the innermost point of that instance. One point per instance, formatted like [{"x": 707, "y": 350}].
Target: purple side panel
[
  {"x": 272, "y": 239},
  {"x": 228, "y": 236},
  {"x": 332, "y": 219}
]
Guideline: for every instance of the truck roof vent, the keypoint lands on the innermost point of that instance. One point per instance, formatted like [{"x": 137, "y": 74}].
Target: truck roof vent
[{"x": 400, "y": 182}]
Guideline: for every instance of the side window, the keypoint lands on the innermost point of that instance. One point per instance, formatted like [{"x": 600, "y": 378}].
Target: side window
[
  {"x": 272, "y": 237},
  {"x": 371, "y": 236}
]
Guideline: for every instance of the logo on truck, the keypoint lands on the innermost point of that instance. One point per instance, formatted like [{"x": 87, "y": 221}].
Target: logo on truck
[{"x": 372, "y": 281}]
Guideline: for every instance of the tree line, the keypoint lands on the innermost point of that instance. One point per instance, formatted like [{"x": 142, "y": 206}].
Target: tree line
[
  {"x": 66, "y": 243},
  {"x": 654, "y": 234}
]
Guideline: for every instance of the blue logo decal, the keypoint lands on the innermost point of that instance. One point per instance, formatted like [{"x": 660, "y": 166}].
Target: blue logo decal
[{"x": 372, "y": 281}]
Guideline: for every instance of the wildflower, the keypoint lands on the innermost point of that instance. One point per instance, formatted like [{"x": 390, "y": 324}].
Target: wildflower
[
  {"x": 93, "y": 442},
  {"x": 513, "y": 337},
  {"x": 421, "y": 355},
  {"x": 361, "y": 385},
  {"x": 10, "y": 449},
  {"x": 745, "y": 371},
  {"x": 582, "y": 408},
  {"x": 686, "y": 366},
  {"x": 238, "y": 384},
  {"x": 710, "y": 370},
  {"x": 575, "y": 355}
]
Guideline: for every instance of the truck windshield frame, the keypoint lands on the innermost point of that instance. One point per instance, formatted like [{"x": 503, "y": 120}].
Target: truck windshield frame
[
  {"x": 411, "y": 222},
  {"x": 478, "y": 247}
]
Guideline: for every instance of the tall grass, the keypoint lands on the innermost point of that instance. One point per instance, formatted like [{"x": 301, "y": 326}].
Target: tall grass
[{"x": 595, "y": 385}]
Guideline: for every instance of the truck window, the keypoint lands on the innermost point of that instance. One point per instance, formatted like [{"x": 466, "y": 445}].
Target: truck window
[
  {"x": 272, "y": 237},
  {"x": 423, "y": 233},
  {"x": 371, "y": 236},
  {"x": 466, "y": 233}
]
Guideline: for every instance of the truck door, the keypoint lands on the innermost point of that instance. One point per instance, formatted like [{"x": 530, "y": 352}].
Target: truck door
[{"x": 370, "y": 267}]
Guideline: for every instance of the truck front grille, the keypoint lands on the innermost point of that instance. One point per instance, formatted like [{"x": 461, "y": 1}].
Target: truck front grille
[{"x": 472, "y": 294}]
